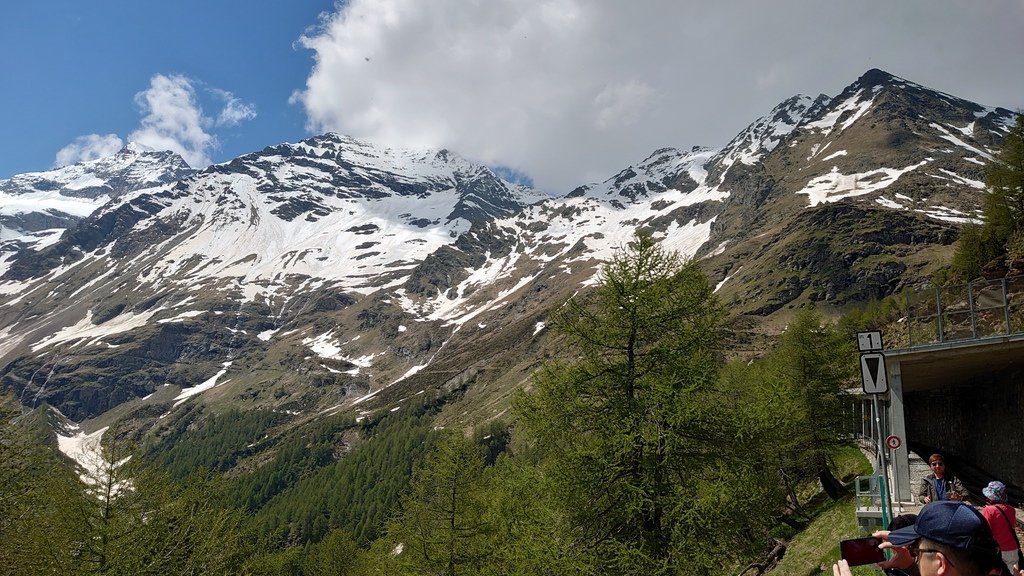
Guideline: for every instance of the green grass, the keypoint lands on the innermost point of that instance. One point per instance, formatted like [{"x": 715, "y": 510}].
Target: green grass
[{"x": 816, "y": 548}]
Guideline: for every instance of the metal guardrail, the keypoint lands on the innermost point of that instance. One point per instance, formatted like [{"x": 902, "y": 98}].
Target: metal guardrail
[
  {"x": 979, "y": 309},
  {"x": 872, "y": 510}
]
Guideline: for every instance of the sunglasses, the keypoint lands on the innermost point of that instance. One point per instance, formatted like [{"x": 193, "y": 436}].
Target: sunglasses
[{"x": 916, "y": 552}]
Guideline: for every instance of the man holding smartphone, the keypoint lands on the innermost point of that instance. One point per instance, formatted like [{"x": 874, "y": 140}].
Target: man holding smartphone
[{"x": 949, "y": 538}]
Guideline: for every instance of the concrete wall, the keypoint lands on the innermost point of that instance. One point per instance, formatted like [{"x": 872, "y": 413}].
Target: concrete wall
[{"x": 980, "y": 421}]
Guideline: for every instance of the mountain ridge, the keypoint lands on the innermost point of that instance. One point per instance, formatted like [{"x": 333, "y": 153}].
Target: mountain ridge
[{"x": 331, "y": 274}]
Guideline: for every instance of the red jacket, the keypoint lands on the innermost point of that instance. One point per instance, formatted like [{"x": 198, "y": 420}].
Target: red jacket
[{"x": 1000, "y": 524}]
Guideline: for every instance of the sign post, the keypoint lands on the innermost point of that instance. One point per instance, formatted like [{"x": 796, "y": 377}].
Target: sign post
[
  {"x": 894, "y": 442},
  {"x": 872, "y": 371},
  {"x": 870, "y": 341},
  {"x": 875, "y": 383}
]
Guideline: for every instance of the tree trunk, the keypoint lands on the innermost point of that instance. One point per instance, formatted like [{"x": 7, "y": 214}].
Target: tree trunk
[
  {"x": 791, "y": 492},
  {"x": 832, "y": 486}
]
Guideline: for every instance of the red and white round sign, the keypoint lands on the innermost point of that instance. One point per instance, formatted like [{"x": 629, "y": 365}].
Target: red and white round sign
[{"x": 893, "y": 442}]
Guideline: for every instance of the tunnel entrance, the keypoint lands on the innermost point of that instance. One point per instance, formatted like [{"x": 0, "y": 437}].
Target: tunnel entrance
[{"x": 955, "y": 366}]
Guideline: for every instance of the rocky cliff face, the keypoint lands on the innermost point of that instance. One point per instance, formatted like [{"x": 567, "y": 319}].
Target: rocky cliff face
[{"x": 332, "y": 275}]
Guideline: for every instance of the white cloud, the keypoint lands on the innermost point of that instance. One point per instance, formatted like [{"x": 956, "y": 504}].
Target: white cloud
[
  {"x": 571, "y": 91},
  {"x": 173, "y": 120},
  {"x": 235, "y": 111},
  {"x": 622, "y": 104},
  {"x": 89, "y": 147}
]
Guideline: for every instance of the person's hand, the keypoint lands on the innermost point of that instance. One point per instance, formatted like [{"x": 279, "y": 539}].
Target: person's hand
[
  {"x": 841, "y": 568},
  {"x": 901, "y": 558},
  {"x": 927, "y": 499},
  {"x": 955, "y": 496}
]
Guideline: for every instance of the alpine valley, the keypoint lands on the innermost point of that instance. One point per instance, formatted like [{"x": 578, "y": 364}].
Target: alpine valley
[{"x": 332, "y": 276}]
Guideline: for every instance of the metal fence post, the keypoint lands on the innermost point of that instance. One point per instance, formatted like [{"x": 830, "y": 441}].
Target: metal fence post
[
  {"x": 1006, "y": 307},
  {"x": 970, "y": 303}
]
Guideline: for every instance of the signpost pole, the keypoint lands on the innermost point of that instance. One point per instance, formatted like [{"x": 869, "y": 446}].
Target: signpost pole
[
  {"x": 875, "y": 383},
  {"x": 882, "y": 468},
  {"x": 895, "y": 475},
  {"x": 893, "y": 442}
]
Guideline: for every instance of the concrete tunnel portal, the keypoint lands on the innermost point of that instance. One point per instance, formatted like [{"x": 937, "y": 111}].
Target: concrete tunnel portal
[{"x": 964, "y": 399}]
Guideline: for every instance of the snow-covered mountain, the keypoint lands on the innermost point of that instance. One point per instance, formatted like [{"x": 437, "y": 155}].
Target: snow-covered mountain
[
  {"x": 36, "y": 207},
  {"x": 332, "y": 275}
]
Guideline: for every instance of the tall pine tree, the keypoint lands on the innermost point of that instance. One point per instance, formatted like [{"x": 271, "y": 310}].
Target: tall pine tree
[
  {"x": 442, "y": 528},
  {"x": 815, "y": 363},
  {"x": 624, "y": 417}
]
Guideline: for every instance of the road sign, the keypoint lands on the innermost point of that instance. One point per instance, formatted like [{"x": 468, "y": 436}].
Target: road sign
[
  {"x": 870, "y": 341},
  {"x": 872, "y": 370},
  {"x": 893, "y": 442}
]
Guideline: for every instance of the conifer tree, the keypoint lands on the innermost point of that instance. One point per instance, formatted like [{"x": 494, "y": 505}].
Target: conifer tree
[
  {"x": 814, "y": 363},
  {"x": 624, "y": 417},
  {"x": 442, "y": 527},
  {"x": 1005, "y": 180},
  {"x": 336, "y": 555},
  {"x": 1003, "y": 228},
  {"x": 36, "y": 536}
]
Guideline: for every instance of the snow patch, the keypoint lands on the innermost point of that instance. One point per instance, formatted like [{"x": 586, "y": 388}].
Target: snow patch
[
  {"x": 947, "y": 135},
  {"x": 835, "y": 186},
  {"x": 86, "y": 451},
  {"x": 206, "y": 385},
  {"x": 182, "y": 316},
  {"x": 324, "y": 346},
  {"x": 85, "y": 329},
  {"x": 726, "y": 279},
  {"x": 853, "y": 106}
]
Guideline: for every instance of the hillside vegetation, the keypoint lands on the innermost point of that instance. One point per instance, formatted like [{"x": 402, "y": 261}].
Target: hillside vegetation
[
  {"x": 636, "y": 440},
  {"x": 636, "y": 451}
]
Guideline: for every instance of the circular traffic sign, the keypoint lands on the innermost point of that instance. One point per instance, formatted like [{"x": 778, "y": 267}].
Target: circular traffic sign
[{"x": 893, "y": 442}]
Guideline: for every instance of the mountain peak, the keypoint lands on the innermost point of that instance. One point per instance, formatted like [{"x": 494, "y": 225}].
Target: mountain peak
[
  {"x": 136, "y": 148},
  {"x": 876, "y": 77}
]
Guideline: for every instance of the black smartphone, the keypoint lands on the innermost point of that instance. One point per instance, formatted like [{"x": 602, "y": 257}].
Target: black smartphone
[{"x": 860, "y": 551}]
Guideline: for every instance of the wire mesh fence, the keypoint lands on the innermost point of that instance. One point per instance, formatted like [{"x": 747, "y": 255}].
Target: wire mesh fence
[{"x": 979, "y": 309}]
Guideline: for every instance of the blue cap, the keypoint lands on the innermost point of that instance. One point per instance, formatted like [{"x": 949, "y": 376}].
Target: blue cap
[{"x": 948, "y": 522}]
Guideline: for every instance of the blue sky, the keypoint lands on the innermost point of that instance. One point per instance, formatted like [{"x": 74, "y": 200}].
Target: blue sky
[
  {"x": 71, "y": 68},
  {"x": 565, "y": 92}
]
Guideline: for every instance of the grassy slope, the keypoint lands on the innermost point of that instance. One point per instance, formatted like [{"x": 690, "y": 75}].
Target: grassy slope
[{"x": 816, "y": 548}]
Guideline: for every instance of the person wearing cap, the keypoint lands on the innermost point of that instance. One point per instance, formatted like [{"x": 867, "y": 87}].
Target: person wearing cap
[
  {"x": 939, "y": 485},
  {"x": 896, "y": 523},
  {"x": 1001, "y": 518},
  {"x": 948, "y": 538}
]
